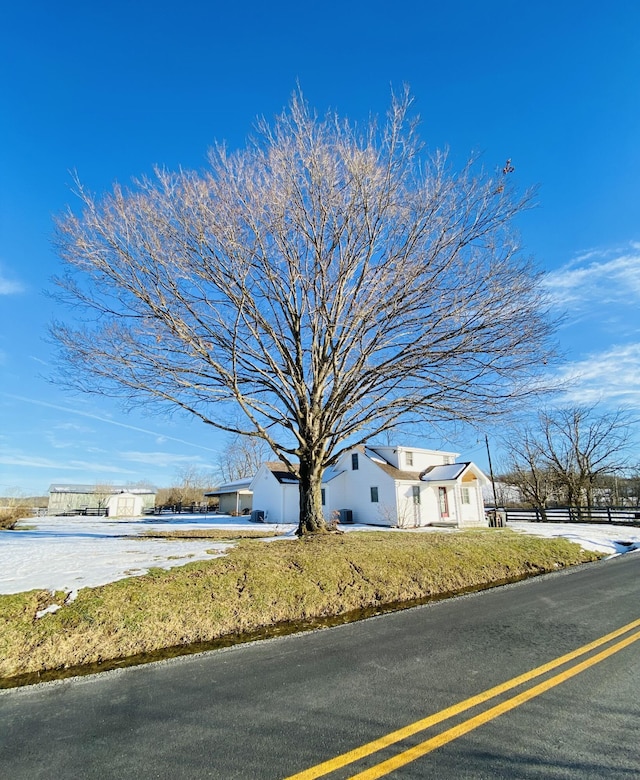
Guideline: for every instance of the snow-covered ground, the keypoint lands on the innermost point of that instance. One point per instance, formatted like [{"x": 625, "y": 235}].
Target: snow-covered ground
[
  {"x": 601, "y": 537},
  {"x": 68, "y": 553},
  {"x": 77, "y": 552}
]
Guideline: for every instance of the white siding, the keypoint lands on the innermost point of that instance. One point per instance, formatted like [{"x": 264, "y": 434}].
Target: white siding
[
  {"x": 356, "y": 492},
  {"x": 422, "y": 459},
  {"x": 472, "y": 513},
  {"x": 279, "y": 502}
]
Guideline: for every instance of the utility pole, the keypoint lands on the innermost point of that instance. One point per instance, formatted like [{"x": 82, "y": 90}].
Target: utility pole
[{"x": 493, "y": 482}]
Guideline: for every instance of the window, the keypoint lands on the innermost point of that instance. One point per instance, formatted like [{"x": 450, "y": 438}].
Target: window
[
  {"x": 323, "y": 496},
  {"x": 374, "y": 495},
  {"x": 466, "y": 498},
  {"x": 409, "y": 458},
  {"x": 415, "y": 490},
  {"x": 443, "y": 501},
  {"x": 354, "y": 461}
]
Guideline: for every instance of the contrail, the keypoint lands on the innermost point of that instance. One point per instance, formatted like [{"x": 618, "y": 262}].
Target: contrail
[{"x": 91, "y": 416}]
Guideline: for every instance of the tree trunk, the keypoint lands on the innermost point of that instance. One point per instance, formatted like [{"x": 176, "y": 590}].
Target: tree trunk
[{"x": 311, "y": 517}]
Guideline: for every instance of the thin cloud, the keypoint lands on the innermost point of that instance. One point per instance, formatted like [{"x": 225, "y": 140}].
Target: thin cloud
[
  {"x": 73, "y": 427},
  {"x": 10, "y": 287},
  {"x": 91, "y": 416},
  {"x": 597, "y": 277},
  {"x": 609, "y": 376},
  {"x": 160, "y": 459},
  {"x": 29, "y": 461}
]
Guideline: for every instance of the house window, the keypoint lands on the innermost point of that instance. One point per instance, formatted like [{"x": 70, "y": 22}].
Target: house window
[
  {"x": 322, "y": 496},
  {"x": 466, "y": 498},
  {"x": 409, "y": 458},
  {"x": 354, "y": 461},
  {"x": 374, "y": 495},
  {"x": 448, "y": 460},
  {"x": 415, "y": 491},
  {"x": 443, "y": 501}
]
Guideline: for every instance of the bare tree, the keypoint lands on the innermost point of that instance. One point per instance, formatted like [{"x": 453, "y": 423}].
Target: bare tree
[
  {"x": 528, "y": 470},
  {"x": 102, "y": 492},
  {"x": 189, "y": 487},
  {"x": 567, "y": 452},
  {"x": 326, "y": 284},
  {"x": 242, "y": 457}
]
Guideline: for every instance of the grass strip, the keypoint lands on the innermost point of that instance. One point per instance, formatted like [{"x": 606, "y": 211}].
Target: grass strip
[
  {"x": 257, "y": 585},
  {"x": 219, "y": 534}
]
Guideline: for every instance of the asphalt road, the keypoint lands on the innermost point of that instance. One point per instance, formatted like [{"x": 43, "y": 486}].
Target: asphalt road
[{"x": 275, "y": 709}]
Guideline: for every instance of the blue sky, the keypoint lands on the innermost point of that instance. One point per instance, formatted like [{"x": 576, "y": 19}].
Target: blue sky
[{"x": 110, "y": 91}]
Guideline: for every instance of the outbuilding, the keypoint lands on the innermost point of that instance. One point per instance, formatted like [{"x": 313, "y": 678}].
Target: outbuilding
[
  {"x": 235, "y": 497},
  {"x": 111, "y": 500}
]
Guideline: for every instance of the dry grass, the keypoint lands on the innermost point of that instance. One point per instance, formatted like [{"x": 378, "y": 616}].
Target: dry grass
[
  {"x": 10, "y": 515},
  {"x": 258, "y": 585},
  {"x": 219, "y": 534}
]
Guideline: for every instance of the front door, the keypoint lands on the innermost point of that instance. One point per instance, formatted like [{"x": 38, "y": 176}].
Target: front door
[
  {"x": 443, "y": 501},
  {"x": 415, "y": 495}
]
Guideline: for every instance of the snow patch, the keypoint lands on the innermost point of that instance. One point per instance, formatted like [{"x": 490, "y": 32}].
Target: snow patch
[
  {"x": 599, "y": 537},
  {"x": 47, "y": 611}
]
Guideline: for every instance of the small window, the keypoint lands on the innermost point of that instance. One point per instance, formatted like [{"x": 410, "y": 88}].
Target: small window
[
  {"x": 409, "y": 458},
  {"x": 354, "y": 461},
  {"x": 415, "y": 490},
  {"x": 466, "y": 498},
  {"x": 374, "y": 495},
  {"x": 323, "y": 496}
]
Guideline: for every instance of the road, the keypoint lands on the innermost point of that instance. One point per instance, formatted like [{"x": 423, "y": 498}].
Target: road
[{"x": 279, "y": 708}]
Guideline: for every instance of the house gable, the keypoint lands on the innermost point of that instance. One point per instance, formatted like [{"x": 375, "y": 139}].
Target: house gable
[{"x": 412, "y": 459}]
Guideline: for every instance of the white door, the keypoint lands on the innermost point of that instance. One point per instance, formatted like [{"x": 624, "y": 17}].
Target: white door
[{"x": 125, "y": 506}]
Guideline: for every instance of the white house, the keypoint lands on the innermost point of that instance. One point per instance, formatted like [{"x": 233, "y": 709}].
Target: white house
[{"x": 403, "y": 487}]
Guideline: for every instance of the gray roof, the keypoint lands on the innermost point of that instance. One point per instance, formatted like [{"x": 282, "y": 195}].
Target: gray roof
[
  {"x": 281, "y": 472},
  {"x": 112, "y": 489},
  {"x": 392, "y": 471},
  {"x": 237, "y": 486},
  {"x": 388, "y": 468},
  {"x": 446, "y": 473},
  {"x": 286, "y": 477}
]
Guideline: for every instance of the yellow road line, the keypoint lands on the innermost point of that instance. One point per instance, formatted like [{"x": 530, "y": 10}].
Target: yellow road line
[
  {"x": 429, "y": 745},
  {"x": 326, "y": 767}
]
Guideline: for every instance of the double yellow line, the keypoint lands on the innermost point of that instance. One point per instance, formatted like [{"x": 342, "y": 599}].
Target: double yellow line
[{"x": 411, "y": 754}]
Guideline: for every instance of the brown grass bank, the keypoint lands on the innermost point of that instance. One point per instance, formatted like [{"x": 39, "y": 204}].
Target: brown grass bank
[{"x": 259, "y": 585}]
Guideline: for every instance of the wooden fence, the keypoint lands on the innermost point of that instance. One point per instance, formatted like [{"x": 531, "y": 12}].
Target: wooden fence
[
  {"x": 177, "y": 509},
  {"x": 572, "y": 514}
]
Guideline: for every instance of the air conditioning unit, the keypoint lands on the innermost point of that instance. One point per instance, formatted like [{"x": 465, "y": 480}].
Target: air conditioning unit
[
  {"x": 257, "y": 516},
  {"x": 346, "y": 516}
]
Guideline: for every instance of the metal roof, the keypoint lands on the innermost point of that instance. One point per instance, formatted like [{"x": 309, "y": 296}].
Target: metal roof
[
  {"x": 446, "y": 473},
  {"x": 237, "y": 486},
  {"x": 112, "y": 489}
]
